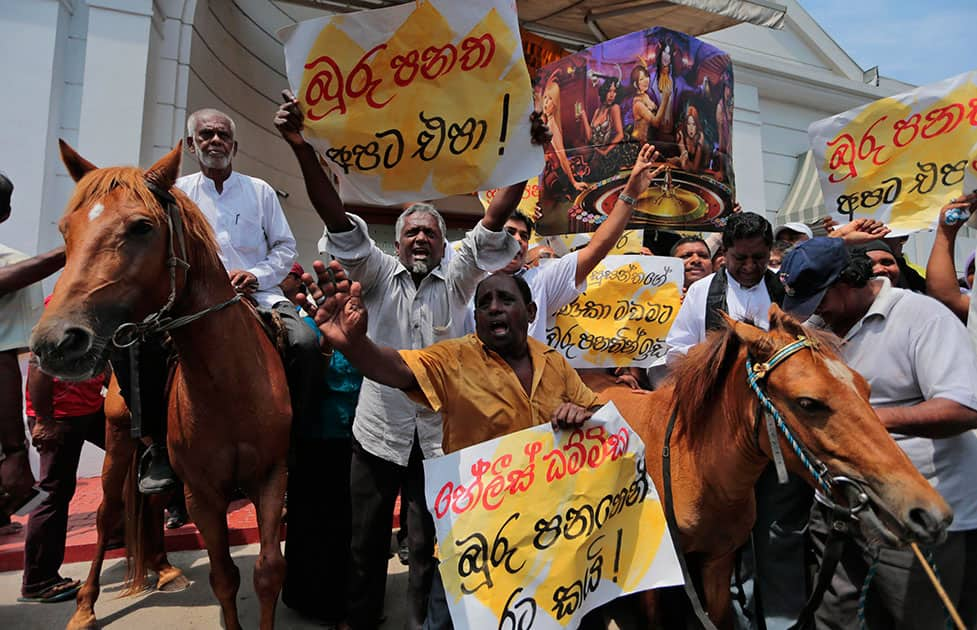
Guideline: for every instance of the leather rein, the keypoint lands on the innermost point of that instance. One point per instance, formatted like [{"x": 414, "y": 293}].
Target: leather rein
[
  {"x": 842, "y": 516},
  {"x": 128, "y": 334}
]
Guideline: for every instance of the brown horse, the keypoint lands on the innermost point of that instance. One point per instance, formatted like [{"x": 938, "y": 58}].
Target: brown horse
[
  {"x": 716, "y": 456},
  {"x": 228, "y": 411}
]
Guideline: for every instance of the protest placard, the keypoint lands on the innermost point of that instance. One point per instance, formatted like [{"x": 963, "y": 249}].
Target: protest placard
[
  {"x": 631, "y": 242},
  {"x": 624, "y": 315},
  {"x": 538, "y": 527},
  {"x": 604, "y": 103},
  {"x": 527, "y": 205},
  {"x": 901, "y": 158},
  {"x": 416, "y": 101}
]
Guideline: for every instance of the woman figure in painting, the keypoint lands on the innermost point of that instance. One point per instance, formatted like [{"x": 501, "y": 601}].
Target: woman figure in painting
[
  {"x": 724, "y": 124},
  {"x": 557, "y": 173},
  {"x": 604, "y": 132},
  {"x": 647, "y": 114},
  {"x": 663, "y": 90},
  {"x": 691, "y": 143}
]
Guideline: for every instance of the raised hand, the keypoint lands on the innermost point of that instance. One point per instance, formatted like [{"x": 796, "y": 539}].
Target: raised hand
[
  {"x": 340, "y": 316},
  {"x": 289, "y": 120},
  {"x": 861, "y": 231},
  {"x": 646, "y": 168},
  {"x": 967, "y": 202}
]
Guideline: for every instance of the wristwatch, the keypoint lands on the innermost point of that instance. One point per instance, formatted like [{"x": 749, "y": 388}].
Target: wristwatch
[{"x": 628, "y": 199}]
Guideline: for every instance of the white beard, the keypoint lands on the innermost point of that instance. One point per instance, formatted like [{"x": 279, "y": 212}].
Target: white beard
[{"x": 216, "y": 163}]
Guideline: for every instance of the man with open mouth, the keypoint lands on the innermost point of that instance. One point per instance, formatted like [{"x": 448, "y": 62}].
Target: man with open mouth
[{"x": 495, "y": 382}]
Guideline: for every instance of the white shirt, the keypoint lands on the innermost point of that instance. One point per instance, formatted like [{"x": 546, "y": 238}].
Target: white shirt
[
  {"x": 689, "y": 327},
  {"x": 912, "y": 349},
  {"x": 251, "y": 229},
  {"x": 19, "y": 310},
  {"x": 553, "y": 285},
  {"x": 409, "y": 317}
]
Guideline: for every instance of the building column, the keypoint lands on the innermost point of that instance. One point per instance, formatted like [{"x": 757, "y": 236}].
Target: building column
[
  {"x": 748, "y": 150},
  {"x": 32, "y": 37},
  {"x": 113, "y": 98}
]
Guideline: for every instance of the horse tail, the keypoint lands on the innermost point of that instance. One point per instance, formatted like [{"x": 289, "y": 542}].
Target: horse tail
[{"x": 137, "y": 530}]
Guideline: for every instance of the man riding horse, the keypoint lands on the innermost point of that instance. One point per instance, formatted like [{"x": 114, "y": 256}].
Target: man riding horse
[{"x": 258, "y": 250}]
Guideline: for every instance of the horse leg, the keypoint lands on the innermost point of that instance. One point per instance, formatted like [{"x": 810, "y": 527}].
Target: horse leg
[
  {"x": 118, "y": 453},
  {"x": 209, "y": 512},
  {"x": 269, "y": 570},
  {"x": 716, "y": 575},
  {"x": 169, "y": 577}
]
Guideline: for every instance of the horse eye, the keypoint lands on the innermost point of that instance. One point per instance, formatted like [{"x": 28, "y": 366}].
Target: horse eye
[
  {"x": 140, "y": 227},
  {"x": 809, "y": 404}
]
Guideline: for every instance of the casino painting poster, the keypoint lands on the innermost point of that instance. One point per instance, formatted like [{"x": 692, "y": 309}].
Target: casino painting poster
[{"x": 602, "y": 104}]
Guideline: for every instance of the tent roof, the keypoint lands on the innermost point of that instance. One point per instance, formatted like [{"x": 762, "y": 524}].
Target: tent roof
[
  {"x": 583, "y": 23},
  {"x": 586, "y": 22},
  {"x": 804, "y": 202}
]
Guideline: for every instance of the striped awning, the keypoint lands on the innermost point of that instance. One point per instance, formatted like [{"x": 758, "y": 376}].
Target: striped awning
[{"x": 804, "y": 202}]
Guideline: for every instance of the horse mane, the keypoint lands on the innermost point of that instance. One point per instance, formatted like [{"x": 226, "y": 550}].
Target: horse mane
[
  {"x": 702, "y": 373},
  {"x": 95, "y": 185}
]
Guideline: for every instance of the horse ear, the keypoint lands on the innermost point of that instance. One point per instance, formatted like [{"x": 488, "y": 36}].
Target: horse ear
[
  {"x": 753, "y": 337},
  {"x": 780, "y": 320},
  {"x": 77, "y": 166},
  {"x": 165, "y": 172}
]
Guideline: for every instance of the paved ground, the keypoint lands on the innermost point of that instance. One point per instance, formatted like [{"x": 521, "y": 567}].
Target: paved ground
[{"x": 192, "y": 608}]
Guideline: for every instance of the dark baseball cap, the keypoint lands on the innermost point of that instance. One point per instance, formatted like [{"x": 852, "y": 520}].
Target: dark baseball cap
[{"x": 808, "y": 271}]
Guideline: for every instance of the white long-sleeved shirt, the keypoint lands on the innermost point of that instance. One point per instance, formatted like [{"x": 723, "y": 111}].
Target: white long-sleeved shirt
[
  {"x": 251, "y": 229},
  {"x": 689, "y": 327},
  {"x": 409, "y": 317}
]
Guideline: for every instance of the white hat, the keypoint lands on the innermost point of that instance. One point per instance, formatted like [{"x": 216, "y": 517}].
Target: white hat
[{"x": 794, "y": 227}]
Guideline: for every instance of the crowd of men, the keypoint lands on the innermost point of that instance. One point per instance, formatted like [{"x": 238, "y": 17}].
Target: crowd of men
[{"x": 394, "y": 358}]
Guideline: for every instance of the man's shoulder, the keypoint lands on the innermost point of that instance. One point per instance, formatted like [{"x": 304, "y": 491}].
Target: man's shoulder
[
  {"x": 910, "y": 308},
  {"x": 255, "y": 181},
  {"x": 188, "y": 180}
]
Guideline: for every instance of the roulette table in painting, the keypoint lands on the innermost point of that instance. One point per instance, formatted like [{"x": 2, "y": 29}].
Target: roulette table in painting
[{"x": 675, "y": 200}]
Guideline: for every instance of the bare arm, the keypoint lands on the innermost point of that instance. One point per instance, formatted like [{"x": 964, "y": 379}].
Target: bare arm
[
  {"x": 935, "y": 418},
  {"x": 25, "y": 273},
  {"x": 941, "y": 277},
  {"x": 645, "y": 169},
  {"x": 502, "y": 205},
  {"x": 322, "y": 194},
  {"x": 342, "y": 319}
]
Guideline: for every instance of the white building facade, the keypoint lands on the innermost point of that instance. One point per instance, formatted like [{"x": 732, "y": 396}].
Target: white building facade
[{"x": 116, "y": 79}]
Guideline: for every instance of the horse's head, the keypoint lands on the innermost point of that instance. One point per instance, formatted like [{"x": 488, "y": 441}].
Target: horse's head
[
  {"x": 825, "y": 404},
  {"x": 117, "y": 244}
]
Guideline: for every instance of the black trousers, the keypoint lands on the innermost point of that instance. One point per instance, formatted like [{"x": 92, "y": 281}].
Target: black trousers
[
  {"x": 319, "y": 517},
  {"x": 374, "y": 484},
  {"x": 47, "y": 526},
  {"x": 303, "y": 363}
]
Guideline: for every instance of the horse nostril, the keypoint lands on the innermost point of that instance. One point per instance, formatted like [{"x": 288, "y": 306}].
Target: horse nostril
[
  {"x": 75, "y": 341},
  {"x": 928, "y": 526}
]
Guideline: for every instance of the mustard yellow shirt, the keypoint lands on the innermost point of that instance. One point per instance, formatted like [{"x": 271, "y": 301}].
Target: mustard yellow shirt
[{"x": 479, "y": 395}]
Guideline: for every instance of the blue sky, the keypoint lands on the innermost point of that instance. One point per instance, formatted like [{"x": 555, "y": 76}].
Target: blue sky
[{"x": 913, "y": 41}]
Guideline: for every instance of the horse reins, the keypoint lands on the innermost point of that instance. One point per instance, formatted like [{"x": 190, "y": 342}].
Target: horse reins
[
  {"x": 160, "y": 321},
  {"x": 842, "y": 516},
  {"x": 129, "y": 334}
]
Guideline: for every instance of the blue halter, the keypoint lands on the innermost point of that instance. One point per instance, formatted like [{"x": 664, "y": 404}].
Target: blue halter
[{"x": 756, "y": 372}]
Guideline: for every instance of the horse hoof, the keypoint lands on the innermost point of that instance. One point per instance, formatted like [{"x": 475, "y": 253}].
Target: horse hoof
[
  {"x": 85, "y": 622},
  {"x": 173, "y": 582}
]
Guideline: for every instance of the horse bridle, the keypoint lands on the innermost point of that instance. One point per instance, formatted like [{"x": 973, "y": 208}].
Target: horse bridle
[
  {"x": 757, "y": 372},
  {"x": 130, "y": 333},
  {"x": 842, "y": 516}
]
